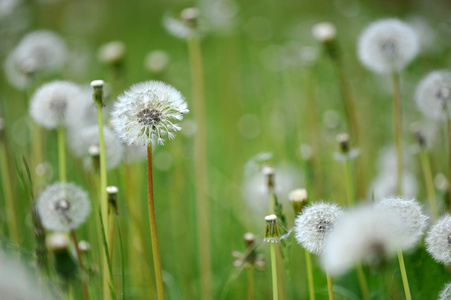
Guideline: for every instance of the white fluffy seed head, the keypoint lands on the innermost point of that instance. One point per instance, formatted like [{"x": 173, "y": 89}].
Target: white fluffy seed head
[
  {"x": 324, "y": 32},
  {"x": 410, "y": 210},
  {"x": 57, "y": 241},
  {"x": 82, "y": 140},
  {"x": 156, "y": 61},
  {"x": 146, "y": 112},
  {"x": 445, "y": 293},
  {"x": 298, "y": 195},
  {"x": 314, "y": 224},
  {"x": 438, "y": 240},
  {"x": 63, "y": 206},
  {"x": 366, "y": 234},
  {"x": 39, "y": 51},
  {"x": 53, "y": 101},
  {"x": 384, "y": 185},
  {"x": 387, "y": 46},
  {"x": 112, "y": 52},
  {"x": 433, "y": 95},
  {"x": 83, "y": 113}
]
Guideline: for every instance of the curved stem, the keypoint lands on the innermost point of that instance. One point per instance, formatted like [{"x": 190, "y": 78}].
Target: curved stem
[
  {"x": 80, "y": 262},
  {"x": 308, "y": 262},
  {"x": 448, "y": 126},
  {"x": 329, "y": 286},
  {"x": 397, "y": 117},
  {"x": 153, "y": 228},
  {"x": 275, "y": 286},
  {"x": 405, "y": 281}
]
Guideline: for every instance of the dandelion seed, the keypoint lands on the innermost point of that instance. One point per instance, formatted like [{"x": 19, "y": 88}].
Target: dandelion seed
[
  {"x": 88, "y": 138},
  {"x": 411, "y": 212},
  {"x": 63, "y": 206},
  {"x": 445, "y": 293},
  {"x": 438, "y": 240},
  {"x": 53, "y": 101},
  {"x": 40, "y": 51},
  {"x": 314, "y": 224},
  {"x": 387, "y": 46},
  {"x": 145, "y": 113},
  {"x": 365, "y": 234},
  {"x": 433, "y": 95}
]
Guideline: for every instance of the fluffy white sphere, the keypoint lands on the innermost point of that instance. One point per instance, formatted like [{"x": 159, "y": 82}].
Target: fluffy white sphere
[
  {"x": 433, "y": 95},
  {"x": 438, "y": 240}
]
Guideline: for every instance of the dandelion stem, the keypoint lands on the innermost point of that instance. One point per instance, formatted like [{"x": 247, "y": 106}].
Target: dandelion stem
[
  {"x": 8, "y": 192},
  {"x": 308, "y": 262},
  {"x": 80, "y": 262},
  {"x": 329, "y": 286},
  {"x": 405, "y": 281},
  {"x": 61, "y": 154},
  {"x": 397, "y": 130},
  {"x": 200, "y": 156},
  {"x": 362, "y": 282},
  {"x": 275, "y": 285},
  {"x": 250, "y": 283},
  {"x": 349, "y": 182},
  {"x": 153, "y": 228},
  {"x": 448, "y": 127},
  {"x": 107, "y": 278},
  {"x": 426, "y": 166}
]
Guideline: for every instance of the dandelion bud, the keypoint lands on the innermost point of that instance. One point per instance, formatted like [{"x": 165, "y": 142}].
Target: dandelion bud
[
  {"x": 249, "y": 238},
  {"x": 269, "y": 173},
  {"x": 190, "y": 16},
  {"x": 65, "y": 266},
  {"x": 112, "y": 53},
  {"x": 298, "y": 198},
  {"x": 57, "y": 241},
  {"x": 84, "y": 246},
  {"x": 343, "y": 141},
  {"x": 98, "y": 91},
  {"x": 112, "y": 197},
  {"x": 326, "y": 34},
  {"x": 419, "y": 136},
  {"x": 272, "y": 234},
  {"x": 94, "y": 153}
]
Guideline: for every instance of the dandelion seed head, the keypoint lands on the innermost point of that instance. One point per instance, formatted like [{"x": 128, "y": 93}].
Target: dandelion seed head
[
  {"x": 433, "y": 95},
  {"x": 184, "y": 26},
  {"x": 438, "y": 240},
  {"x": 365, "y": 233},
  {"x": 314, "y": 224},
  {"x": 84, "y": 246},
  {"x": 445, "y": 293},
  {"x": 385, "y": 184},
  {"x": 387, "y": 46},
  {"x": 87, "y": 138},
  {"x": 298, "y": 195},
  {"x": 63, "y": 206},
  {"x": 53, "y": 101},
  {"x": 57, "y": 241},
  {"x": 39, "y": 51},
  {"x": 324, "y": 32},
  {"x": 410, "y": 210},
  {"x": 157, "y": 61},
  {"x": 146, "y": 112},
  {"x": 112, "y": 52}
]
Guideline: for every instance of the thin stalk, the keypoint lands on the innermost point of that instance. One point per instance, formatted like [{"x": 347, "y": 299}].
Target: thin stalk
[
  {"x": 61, "y": 154},
  {"x": 426, "y": 166},
  {"x": 397, "y": 118},
  {"x": 200, "y": 160},
  {"x": 311, "y": 286},
  {"x": 275, "y": 285},
  {"x": 448, "y": 127},
  {"x": 405, "y": 281},
  {"x": 153, "y": 228},
  {"x": 111, "y": 235},
  {"x": 80, "y": 262},
  {"x": 8, "y": 193},
  {"x": 329, "y": 286},
  {"x": 107, "y": 278},
  {"x": 349, "y": 183},
  {"x": 362, "y": 282},
  {"x": 250, "y": 283}
]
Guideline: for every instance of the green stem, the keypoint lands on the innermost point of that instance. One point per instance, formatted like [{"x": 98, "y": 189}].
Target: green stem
[
  {"x": 8, "y": 193},
  {"x": 308, "y": 262},
  {"x": 362, "y": 282},
  {"x": 397, "y": 130},
  {"x": 349, "y": 183},
  {"x": 448, "y": 127},
  {"x": 329, "y": 286},
  {"x": 80, "y": 262},
  {"x": 153, "y": 228},
  {"x": 200, "y": 160},
  {"x": 107, "y": 278},
  {"x": 426, "y": 166},
  {"x": 250, "y": 283},
  {"x": 405, "y": 281},
  {"x": 275, "y": 285},
  {"x": 61, "y": 154}
]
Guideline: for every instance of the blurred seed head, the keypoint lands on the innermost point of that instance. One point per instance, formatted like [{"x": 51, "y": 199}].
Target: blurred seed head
[
  {"x": 84, "y": 246},
  {"x": 185, "y": 25},
  {"x": 298, "y": 199},
  {"x": 385, "y": 184},
  {"x": 57, "y": 241},
  {"x": 411, "y": 212},
  {"x": 441, "y": 182},
  {"x": 324, "y": 32},
  {"x": 314, "y": 224},
  {"x": 53, "y": 101},
  {"x": 63, "y": 206},
  {"x": 112, "y": 53},
  {"x": 433, "y": 95},
  {"x": 367, "y": 234},
  {"x": 419, "y": 136},
  {"x": 145, "y": 113},
  {"x": 445, "y": 293},
  {"x": 387, "y": 46},
  {"x": 438, "y": 240},
  {"x": 157, "y": 61},
  {"x": 38, "y": 52}
]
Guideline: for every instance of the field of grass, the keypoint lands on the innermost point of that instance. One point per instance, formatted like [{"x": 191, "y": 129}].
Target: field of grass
[{"x": 274, "y": 97}]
